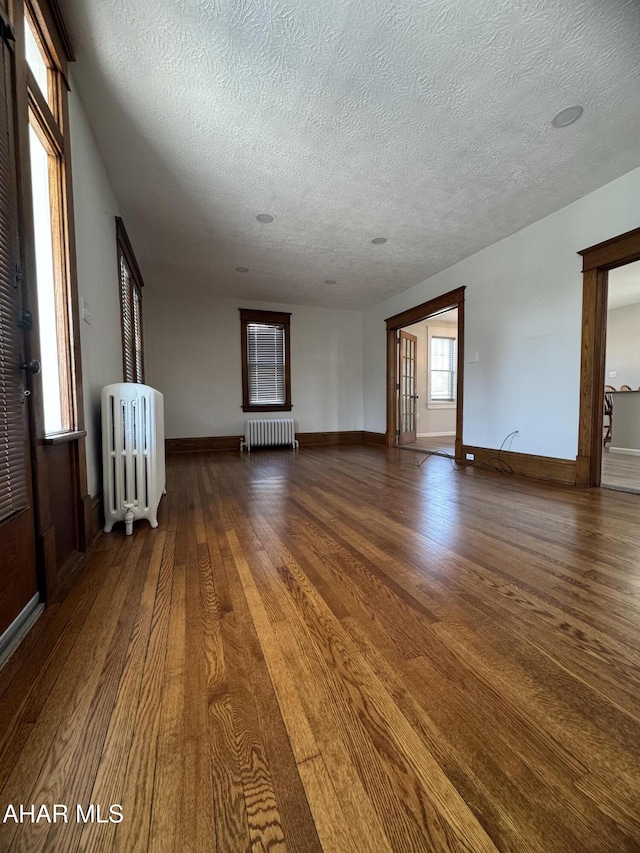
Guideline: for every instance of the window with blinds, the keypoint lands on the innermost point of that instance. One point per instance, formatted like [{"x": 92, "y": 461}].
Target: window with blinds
[
  {"x": 13, "y": 475},
  {"x": 130, "y": 308},
  {"x": 443, "y": 369},
  {"x": 265, "y": 361}
]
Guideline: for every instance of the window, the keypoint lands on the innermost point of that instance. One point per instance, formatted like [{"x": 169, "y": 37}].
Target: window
[
  {"x": 48, "y": 196},
  {"x": 266, "y": 376},
  {"x": 131, "y": 285},
  {"x": 442, "y": 370}
]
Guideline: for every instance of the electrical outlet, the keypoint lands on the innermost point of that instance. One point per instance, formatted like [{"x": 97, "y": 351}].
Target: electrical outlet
[
  {"x": 471, "y": 457},
  {"x": 472, "y": 358},
  {"x": 613, "y": 374}
]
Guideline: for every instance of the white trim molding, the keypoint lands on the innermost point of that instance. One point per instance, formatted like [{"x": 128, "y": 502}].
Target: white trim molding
[
  {"x": 433, "y": 434},
  {"x": 627, "y": 451}
]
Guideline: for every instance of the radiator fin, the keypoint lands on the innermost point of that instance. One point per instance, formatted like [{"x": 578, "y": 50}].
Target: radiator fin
[
  {"x": 133, "y": 453},
  {"x": 269, "y": 432}
]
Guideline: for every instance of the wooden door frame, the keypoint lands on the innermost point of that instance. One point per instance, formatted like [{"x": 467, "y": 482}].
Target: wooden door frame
[
  {"x": 596, "y": 263},
  {"x": 452, "y": 299}
]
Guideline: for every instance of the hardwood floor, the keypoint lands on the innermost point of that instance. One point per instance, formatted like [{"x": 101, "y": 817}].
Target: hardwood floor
[
  {"x": 429, "y": 444},
  {"x": 338, "y": 650},
  {"x": 620, "y": 471}
]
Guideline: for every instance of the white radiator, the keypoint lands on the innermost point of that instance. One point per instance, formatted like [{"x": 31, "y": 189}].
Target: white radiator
[
  {"x": 132, "y": 453},
  {"x": 262, "y": 432}
]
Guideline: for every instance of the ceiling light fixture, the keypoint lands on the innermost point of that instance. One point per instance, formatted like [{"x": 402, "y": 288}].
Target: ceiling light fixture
[
  {"x": 242, "y": 269},
  {"x": 567, "y": 116},
  {"x": 264, "y": 217},
  {"x": 378, "y": 241}
]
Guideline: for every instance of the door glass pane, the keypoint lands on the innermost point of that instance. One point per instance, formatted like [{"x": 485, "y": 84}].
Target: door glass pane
[
  {"x": 46, "y": 287},
  {"x": 35, "y": 59}
]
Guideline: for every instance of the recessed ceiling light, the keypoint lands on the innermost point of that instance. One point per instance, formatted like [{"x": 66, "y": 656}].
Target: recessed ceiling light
[
  {"x": 330, "y": 281},
  {"x": 242, "y": 269},
  {"x": 567, "y": 116},
  {"x": 378, "y": 241},
  {"x": 264, "y": 217}
]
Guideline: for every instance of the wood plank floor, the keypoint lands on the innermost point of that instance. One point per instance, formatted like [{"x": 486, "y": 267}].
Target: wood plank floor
[
  {"x": 620, "y": 471},
  {"x": 337, "y": 650},
  {"x": 430, "y": 443}
]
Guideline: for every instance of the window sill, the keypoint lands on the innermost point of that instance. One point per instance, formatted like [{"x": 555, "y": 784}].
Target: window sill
[
  {"x": 64, "y": 437},
  {"x": 267, "y": 408},
  {"x": 441, "y": 405}
]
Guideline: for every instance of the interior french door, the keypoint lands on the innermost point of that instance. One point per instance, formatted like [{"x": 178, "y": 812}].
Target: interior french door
[
  {"x": 407, "y": 397},
  {"x": 18, "y": 585}
]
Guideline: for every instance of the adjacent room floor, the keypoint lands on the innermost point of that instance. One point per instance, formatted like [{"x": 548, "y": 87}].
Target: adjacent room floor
[
  {"x": 620, "y": 471},
  {"x": 336, "y": 649},
  {"x": 431, "y": 444}
]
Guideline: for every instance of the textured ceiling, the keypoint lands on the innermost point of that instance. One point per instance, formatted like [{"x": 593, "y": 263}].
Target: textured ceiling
[{"x": 423, "y": 121}]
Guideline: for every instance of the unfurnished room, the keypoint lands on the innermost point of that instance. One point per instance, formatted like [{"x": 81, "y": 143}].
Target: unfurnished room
[{"x": 320, "y": 426}]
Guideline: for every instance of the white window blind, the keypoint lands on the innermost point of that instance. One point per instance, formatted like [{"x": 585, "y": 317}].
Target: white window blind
[
  {"x": 13, "y": 480},
  {"x": 443, "y": 369},
  {"x": 266, "y": 364}
]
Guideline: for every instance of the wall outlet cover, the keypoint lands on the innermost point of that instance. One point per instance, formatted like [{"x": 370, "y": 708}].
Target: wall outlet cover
[{"x": 470, "y": 457}]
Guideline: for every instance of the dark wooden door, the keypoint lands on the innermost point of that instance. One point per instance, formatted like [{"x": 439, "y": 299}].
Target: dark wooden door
[
  {"x": 18, "y": 584},
  {"x": 407, "y": 398}
]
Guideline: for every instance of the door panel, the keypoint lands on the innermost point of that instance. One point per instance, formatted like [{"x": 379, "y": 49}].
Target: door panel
[
  {"x": 407, "y": 398},
  {"x": 18, "y": 582}
]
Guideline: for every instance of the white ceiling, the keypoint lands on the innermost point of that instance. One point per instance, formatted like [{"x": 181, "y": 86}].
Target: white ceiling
[
  {"x": 624, "y": 286},
  {"x": 423, "y": 121}
]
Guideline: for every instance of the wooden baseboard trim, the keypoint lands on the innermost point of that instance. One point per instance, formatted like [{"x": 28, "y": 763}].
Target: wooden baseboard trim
[
  {"x": 378, "y": 438},
  {"x": 528, "y": 465},
  {"x": 306, "y": 439},
  {"x": 97, "y": 518},
  {"x": 86, "y": 526},
  {"x": 203, "y": 445}
]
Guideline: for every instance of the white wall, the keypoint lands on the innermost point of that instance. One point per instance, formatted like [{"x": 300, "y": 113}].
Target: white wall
[
  {"x": 193, "y": 357},
  {"x": 523, "y": 318},
  {"x": 623, "y": 346},
  {"x": 95, "y": 209}
]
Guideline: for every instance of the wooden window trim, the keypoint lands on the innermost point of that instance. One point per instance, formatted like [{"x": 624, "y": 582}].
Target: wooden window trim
[
  {"x": 125, "y": 250},
  {"x": 48, "y": 121},
  {"x": 450, "y": 402},
  {"x": 247, "y": 316}
]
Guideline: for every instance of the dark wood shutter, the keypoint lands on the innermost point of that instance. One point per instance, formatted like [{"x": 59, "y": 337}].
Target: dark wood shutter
[
  {"x": 128, "y": 357},
  {"x": 136, "y": 302},
  {"x": 131, "y": 307},
  {"x": 13, "y": 477}
]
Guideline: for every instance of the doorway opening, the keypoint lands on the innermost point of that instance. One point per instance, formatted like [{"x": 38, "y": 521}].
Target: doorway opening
[
  {"x": 621, "y": 428},
  {"x": 598, "y": 417},
  {"x": 425, "y": 364}
]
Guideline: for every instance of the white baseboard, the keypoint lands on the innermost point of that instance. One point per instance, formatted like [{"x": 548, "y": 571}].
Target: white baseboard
[
  {"x": 627, "y": 451},
  {"x": 433, "y": 434}
]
